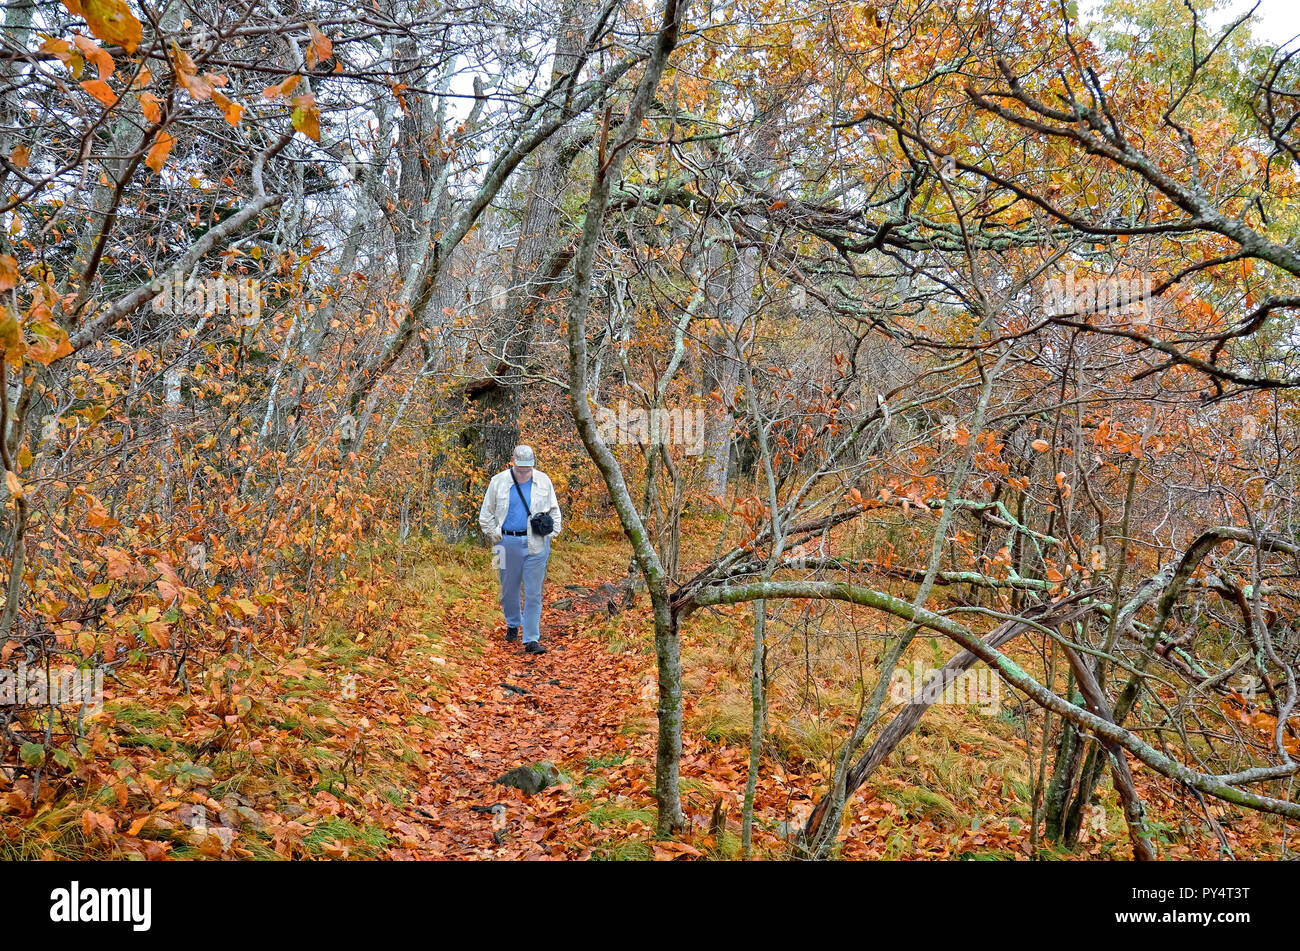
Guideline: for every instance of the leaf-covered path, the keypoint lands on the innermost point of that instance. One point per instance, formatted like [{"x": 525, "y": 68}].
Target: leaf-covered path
[{"x": 506, "y": 709}]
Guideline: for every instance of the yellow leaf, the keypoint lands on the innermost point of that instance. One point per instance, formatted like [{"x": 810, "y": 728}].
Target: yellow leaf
[
  {"x": 118, "y": 563},
  {"x": 182, "y": 59},
  {"x": 232, "y": 110},
  {"x": 99, "y": 89},
  {"x": 162, "y": 147},
  {"x": 149, "y": 105},
  {"x": 25, "y": 457},
  {"x": 322, "y": 47},
  {"x": 95, "y": 54},
  {"x": 11, "y": 336},
  {"x": 63, "y": 51},
  {"x": 60, "y": 48},
  {"x": 306, "y": 117},
  {"x": 161, "y": 634},
  {"x": 281, "y": 89},
  {"x": 113, "y": 22},
  {"x": 50, "y": 344},
  {"x": 197, "y": 86}
]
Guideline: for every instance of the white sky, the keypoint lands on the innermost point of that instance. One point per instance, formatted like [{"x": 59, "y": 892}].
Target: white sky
[{"x": 1277, "y": 21}]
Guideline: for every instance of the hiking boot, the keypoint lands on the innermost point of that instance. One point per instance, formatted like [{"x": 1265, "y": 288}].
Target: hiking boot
[
  {"x": 512, "y": 634},
  {"x": 534, "y": 647}
]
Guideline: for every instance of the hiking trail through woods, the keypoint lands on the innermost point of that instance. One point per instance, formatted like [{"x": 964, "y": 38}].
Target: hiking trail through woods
[{"x": 507, "y": 709}]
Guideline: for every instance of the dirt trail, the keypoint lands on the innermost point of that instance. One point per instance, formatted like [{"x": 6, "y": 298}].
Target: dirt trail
[{"x": 507, "y": 709}]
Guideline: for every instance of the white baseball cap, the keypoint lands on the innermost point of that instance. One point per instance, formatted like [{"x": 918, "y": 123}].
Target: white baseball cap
[{"x": 523, "y": 456}]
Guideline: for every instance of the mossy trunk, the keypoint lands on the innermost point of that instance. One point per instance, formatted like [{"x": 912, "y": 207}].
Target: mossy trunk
[{"x": 1065, "y": 769}]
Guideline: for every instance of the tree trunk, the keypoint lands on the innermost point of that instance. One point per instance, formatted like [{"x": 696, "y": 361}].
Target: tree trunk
[{"x": 667, "y": 646}]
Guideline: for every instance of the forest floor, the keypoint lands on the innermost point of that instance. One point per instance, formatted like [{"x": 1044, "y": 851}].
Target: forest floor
[
  {"x": 586, "y": 707},
  {"x": 383, "y": 737},
  {"x": 957, "y": 789},
  {"x": 505, "y": 710}
]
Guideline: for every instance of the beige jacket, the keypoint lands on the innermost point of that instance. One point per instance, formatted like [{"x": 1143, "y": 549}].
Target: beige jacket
[{"x": 496, "y": 503}]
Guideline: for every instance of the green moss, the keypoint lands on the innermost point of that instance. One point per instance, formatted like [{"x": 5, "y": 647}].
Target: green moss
[
  {"x": 144, "y": 718},
  {"x": 924, "y": 802},
  {"x": 607, "y": 762},
  {"x": 304, "y": 686},
  {"x": 605, "y": 816},
  {"x": 992, "y": 856},
  {"x": 626, "y": 851},
  {"x": 346, "y": 652},
  {"x": 364, "y": 841},
  {"x": 154, "y": 741},
  {"x": 636, "y": 726},
  {"x": 689, "y": 784},
  {"x": 728, "y": 847}
]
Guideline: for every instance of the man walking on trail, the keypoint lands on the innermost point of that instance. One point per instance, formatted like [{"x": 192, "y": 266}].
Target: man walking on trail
[{"x": 520, "y": 515}]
